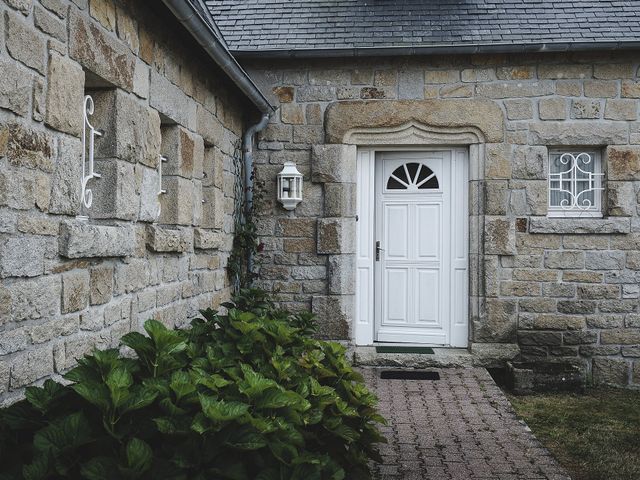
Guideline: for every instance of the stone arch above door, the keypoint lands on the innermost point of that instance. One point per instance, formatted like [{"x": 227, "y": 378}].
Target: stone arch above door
[{"x": 480, "y": 117}]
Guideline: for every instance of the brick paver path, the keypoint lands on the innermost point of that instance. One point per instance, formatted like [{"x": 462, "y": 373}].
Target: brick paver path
[{"x": 459, "y": 427}]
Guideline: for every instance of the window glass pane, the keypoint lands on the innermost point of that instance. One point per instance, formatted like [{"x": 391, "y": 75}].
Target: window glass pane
[{"x": 574, "y": 181}]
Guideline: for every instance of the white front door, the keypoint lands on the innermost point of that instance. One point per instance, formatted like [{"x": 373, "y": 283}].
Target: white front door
[{"x": 416, "y": 257}]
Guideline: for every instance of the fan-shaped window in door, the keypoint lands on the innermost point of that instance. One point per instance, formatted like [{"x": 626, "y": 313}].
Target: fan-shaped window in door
[{"x": 412, "y": 176}]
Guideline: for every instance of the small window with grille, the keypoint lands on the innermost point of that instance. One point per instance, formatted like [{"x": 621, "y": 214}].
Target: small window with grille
[{"x": 575, "y": 183}]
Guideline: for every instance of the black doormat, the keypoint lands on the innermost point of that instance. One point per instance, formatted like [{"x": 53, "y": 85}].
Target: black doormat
[
  {"x": 409, "y": 375},
  {"x": 390, "y": 349}
]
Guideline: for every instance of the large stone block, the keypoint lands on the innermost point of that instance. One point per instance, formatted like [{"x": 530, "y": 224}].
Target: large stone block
[
  {"x": 296, "y": 227},
  {"x": 564, "y": 260},
  {"x": 342, "y": 274},
  {"x": 161, "y": 239},
  {"x": 147, "y": 180},
  {"x": 621, "y": 199},
  {"x": 520, "y": 109},
  {"x": 607, "y": 260},
  {"x": 24, "y": 147},
  {"x": 172, "y": 102},
  {"x": 83, "y": 240},
  {"x": 75, "y": 291},
  {"x": 15, "y": 87},
  {"x": 577, "y": 133},
  {"x": 339, "y": 199},
  {"x": 333, "y": 163},
  {"x": 131, "y": 129},
  {"x": 586, "y": 109},
  {"x": 100, "y": 284},
  {"x": 530, "y": 163},
  {"x": 24, "y": 42},
  {"x": 207, "y": 240},
  {"x": 30, "y": 366},
  {"x": 514, "y": 89},
  {"x": 23, "y": 256},
  {"x": 498, "y": 163},
  {"x": 482, "y": 114},
  {"x": 114, "y": 194},
  {"x": 49, "y": 24},
  {"x": 336, "y": 235},
  {"x": 500, "y": 236},
  {"x": 499, "y": 322},
  {"x": 213, "y": 208},
  {"x": 496, "y": 194},
  {"x": 100, "y": 52},
  {"x": 623, "y": 162},
  {"x": 65, "y": 93},
  {"x": 209, "y": 127},
  {"x": 552, "y": 108},
  {"x": 31, "y": 299},
  {"x": 184, "y": 152},
  {"x": 621, "y": 109},
  {"x": 563, "y": 70},
  {"x": 334, "y": 314},
  {"x": 177, "y": 202},
  {"x": 609, "y": 371},
  {"x": 65, "y": 182}
]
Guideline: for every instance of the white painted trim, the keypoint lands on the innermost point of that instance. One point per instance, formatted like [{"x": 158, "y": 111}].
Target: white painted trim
[
  {"x": 365, "y": 197},
  {"x": 464, "y": 164}
]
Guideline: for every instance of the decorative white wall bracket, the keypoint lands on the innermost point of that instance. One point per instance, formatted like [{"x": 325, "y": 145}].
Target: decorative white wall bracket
[
  {"x": 88, "y": 172},
  {"x": 161, "y": 191}
]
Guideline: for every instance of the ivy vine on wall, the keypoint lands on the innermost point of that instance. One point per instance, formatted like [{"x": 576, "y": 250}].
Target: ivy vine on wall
[{"x": 246, "y": 243}]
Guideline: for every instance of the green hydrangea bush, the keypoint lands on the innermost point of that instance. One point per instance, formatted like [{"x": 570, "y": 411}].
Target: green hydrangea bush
[{"x": 248, "y": 395}]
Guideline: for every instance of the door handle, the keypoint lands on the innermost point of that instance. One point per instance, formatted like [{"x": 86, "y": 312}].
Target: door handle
[{"x": 378, "y": 250}]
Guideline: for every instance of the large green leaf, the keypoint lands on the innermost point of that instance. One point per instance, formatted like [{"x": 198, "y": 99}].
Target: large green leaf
[
  {"x": 139, "y": 456},
  {"x": 64, "y": 433},
  {"x": 222, "y": 411},
  {"x": 99, "y": 468},
  {"x": 43, "y": 398}
]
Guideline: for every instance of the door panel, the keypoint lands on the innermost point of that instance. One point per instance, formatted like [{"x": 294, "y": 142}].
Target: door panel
[
  {"x": 396, "y": 241},
  {"x": 427, "y": 219},
  {"x": 397, "y": 295},
  {"x": 427, "y": 291}
]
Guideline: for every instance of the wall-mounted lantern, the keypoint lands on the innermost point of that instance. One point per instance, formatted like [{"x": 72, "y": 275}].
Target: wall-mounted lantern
[
  {"x": 289, "y": 186},
  {"x": 88, "y": 145}
]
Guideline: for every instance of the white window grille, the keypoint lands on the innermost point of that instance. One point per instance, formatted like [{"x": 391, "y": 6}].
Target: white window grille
[
  {"x": 575, "y": 184},
  {"x": 89, "y": 134}
]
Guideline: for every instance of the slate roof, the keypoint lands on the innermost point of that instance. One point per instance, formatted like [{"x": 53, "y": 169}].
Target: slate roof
[{"x": 297, "y": 25}]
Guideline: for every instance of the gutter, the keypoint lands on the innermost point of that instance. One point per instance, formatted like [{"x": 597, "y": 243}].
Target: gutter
[
  {"x": 449, "y": 49},
  {"x": 189, "y": 16}
]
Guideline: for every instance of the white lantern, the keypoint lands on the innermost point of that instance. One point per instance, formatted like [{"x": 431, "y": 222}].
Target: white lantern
[{"x": 289, "y": 186}]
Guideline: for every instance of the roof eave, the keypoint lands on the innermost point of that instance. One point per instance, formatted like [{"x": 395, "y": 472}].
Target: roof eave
[{"x": 449, "y": 49}]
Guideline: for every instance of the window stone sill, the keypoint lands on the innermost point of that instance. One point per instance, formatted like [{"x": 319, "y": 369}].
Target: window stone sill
[
  {"x": 598, "y": 226},
  {"x": 84, "y": 240}
]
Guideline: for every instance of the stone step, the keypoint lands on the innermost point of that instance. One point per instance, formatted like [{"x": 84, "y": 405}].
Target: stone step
[{"x": 479, "y": 355}]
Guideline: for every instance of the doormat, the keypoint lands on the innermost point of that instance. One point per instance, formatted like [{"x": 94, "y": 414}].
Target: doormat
[
  {"x": 390, "y": 349},
  {"x": 409, "y": 375}
]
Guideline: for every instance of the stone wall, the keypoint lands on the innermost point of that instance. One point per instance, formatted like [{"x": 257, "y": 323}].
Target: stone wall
[
  {"x": 69, "y": 285},
  {"x": 560, "y": 288}
]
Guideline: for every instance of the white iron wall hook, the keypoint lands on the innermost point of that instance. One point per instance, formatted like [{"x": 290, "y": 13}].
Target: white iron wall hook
[
  {"x": 88, "y": 172},
  {"x": 161, "y": 191}
]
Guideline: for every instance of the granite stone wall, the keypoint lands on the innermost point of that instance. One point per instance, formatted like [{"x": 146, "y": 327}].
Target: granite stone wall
[
  {"x": 561, "y": 289},
  {"x": 67, "y": 285}
]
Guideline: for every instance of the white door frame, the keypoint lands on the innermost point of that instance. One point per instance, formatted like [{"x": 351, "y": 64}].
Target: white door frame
[{"x": 365, "y": 300}]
